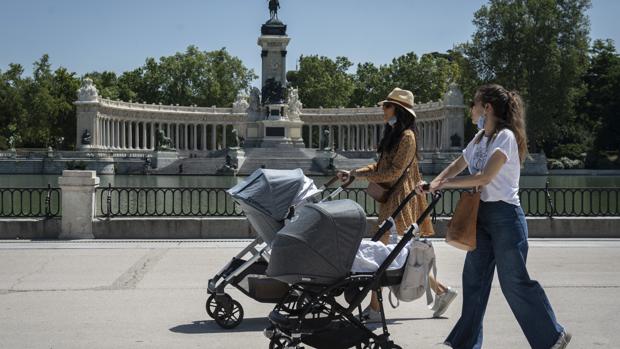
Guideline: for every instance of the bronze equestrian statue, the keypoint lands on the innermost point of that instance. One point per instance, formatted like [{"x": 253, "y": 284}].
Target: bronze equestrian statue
[{"x": 274, "y": 6}]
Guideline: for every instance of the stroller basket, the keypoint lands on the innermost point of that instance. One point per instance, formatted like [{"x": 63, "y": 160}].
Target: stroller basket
[{"x": 256, "y": 285}]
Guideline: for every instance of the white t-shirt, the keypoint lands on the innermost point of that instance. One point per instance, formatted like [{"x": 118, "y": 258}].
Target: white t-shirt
[{"x": 505, "y": 185}]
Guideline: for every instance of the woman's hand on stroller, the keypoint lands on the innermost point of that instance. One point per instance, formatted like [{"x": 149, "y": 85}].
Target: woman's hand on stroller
[
  {"x": 432, "y": 187},
  {"x": 343, "y": 175}
]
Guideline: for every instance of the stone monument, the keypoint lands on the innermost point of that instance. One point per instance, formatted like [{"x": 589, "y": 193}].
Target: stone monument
[{"x": 273, "y": 125}]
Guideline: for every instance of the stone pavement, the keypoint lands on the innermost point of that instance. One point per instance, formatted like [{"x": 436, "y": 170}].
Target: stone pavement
[{"x": 150, "y": 294}]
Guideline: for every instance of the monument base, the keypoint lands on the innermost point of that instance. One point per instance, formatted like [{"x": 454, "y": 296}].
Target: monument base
[{"x": 164, "y": 158}]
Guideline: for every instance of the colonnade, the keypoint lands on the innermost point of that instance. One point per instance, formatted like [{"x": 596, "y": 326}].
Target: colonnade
[
  {"x": 115, "y": 133},
  {"x": 366, "y": 137},
  {"x": 352, "y": 137}
]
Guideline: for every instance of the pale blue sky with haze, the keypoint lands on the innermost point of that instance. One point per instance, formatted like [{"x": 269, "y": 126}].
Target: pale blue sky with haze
[{"x": 115, "y": 35}]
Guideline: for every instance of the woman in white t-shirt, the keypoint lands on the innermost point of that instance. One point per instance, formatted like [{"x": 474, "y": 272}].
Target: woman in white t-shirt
[{"x": 494, "y": 159}]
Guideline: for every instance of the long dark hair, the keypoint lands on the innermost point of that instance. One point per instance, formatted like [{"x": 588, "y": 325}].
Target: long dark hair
[
  {"x": 393, "y": 134},
  {"x": 508, "y": 109}
]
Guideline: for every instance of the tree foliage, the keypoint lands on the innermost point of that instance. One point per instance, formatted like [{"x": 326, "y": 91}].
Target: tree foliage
[
  {"x": 540, "y": 49},
  {"x": 600, "y": 107},
  {"x": 323, "y": 82},
  {"x": 38, "y": 111}
]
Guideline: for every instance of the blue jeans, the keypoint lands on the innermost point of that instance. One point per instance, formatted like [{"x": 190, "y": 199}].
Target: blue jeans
[{"x": 502, "y": 242}]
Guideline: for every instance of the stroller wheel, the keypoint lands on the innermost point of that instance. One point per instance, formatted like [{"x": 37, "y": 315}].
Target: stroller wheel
[
  {"x": 228, "y": 314},
  {"x": 211, "y": 305},
  {"x": 281, "y": 342}
]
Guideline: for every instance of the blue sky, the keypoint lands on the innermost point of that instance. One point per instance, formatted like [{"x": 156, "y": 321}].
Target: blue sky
[{"x": 116, "y": 35}]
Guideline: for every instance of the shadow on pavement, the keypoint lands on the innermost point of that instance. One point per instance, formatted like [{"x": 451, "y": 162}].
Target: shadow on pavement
[{"x": 209, "y": 326}]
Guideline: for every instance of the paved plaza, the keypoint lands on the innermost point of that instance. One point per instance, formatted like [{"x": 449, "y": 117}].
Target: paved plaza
[{"x": 150, "y": 294}]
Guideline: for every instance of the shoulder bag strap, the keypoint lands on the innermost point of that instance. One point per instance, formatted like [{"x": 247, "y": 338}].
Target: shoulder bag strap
[{"x": 400, "y": 179}]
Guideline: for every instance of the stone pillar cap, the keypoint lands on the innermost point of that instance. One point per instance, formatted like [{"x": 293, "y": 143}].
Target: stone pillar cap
[
  {"x": 78, "y": 178},
  {"x": 79, "y": 173}
]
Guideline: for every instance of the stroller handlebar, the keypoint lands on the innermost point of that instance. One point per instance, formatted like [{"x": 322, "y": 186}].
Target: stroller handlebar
[
  {"x": 336, "y": 192},
  {"x": 386, "y": 225}
]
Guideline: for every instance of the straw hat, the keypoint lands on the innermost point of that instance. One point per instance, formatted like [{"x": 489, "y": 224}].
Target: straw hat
[{"x": 404, "y": 98}]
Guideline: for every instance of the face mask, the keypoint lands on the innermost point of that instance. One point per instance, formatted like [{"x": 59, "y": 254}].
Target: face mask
[
  {"x": 481, "y": 122},
  {"x": 392, "y": 121}
]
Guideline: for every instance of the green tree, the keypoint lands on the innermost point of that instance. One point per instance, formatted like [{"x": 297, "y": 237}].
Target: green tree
[
  {"x": 372, "y": 84},
  {"x": 323, "y": 81},
  {"x": 13, "y": 113},
  {"x": 192, "y": 77},
  {"x": 186, "y": 78},
  {"x": 600, "y": 107},
  {"x": 427, "y": 77},
  {"x": 540, "y": 49}
]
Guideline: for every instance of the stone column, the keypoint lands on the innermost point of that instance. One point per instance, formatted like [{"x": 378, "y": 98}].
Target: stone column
[
  {"x": 177, "y": 144},
  {"x": 350, "y": 139},
  {"x": 112, "y": 134},
  {"x": 204, "y": 137},
  {"x": 123, "y": 135},
  {"x": 213, "y": 137},
  {"x": 152, "y": 147},
  {"x": 103, "y": 135},
  {"x": 309, "y": 144},
  {"x": 130, "y": 135},
  {"x": 136, "y": 135},
  {"x": 195, "y": 138},
  {"x": 320, "y": 136},
  {"x": 224, "y": 143},
  {"x": 117, "y": 126},
  {"x": 144, "y": 135},
  {"x": 108, "y": 136},
  {"x": 340, "y": 138},
  {"x": 78, "y": 203}
]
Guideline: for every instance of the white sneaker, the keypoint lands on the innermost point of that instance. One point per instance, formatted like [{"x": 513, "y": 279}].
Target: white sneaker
[
  {"x": 369, "y": 315},
  {"x": 563, "y": 341},
  {"x": 442, "y": 302}
]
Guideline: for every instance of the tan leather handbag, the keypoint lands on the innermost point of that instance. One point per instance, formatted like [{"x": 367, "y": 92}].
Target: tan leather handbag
[
  {"x": 462, "y": 227},
  {"x": 381, "y": 191}
]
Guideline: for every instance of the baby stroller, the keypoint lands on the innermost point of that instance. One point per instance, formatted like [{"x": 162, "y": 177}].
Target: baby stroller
[
  {"x": 267, "y": 197},
  {"x": 314, "y": 254}
]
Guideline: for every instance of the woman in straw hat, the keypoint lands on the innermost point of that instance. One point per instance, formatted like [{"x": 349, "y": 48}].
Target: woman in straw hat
[{"x": 398, "y": 151}]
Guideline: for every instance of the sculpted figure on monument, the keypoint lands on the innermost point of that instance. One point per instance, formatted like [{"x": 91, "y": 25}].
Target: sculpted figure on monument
[
  {"x": 163, "y": 143},
  {"x": 237, "y": 140},
  {"x": 294, "y": 104},
  {"x": 240, "y": 105},
  {"x": 325, "y": 142},
  {"x": 88, "y": 91},
  {"x": 272, "y": 92},
  {"x": 86, "y": 137},
  {"x": 255, "y": 99},
  {"x": 12, "y": 140},
  {"x": 274, "y": 6}
]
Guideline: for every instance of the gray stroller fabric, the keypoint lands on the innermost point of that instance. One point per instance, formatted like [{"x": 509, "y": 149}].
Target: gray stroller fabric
[
  {"x": 265, "y": 226},
  {"x": 270, "y": 191},
  {"x": 319, "y": 244}
]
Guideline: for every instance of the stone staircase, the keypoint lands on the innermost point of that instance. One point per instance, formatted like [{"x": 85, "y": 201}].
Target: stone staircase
[{"x": 273, "y": 158}]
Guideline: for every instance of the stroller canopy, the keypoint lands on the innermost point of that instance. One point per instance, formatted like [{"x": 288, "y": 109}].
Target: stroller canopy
[
  {"x": 273, "y": 191},
  {"x": 319, "y": 245}
]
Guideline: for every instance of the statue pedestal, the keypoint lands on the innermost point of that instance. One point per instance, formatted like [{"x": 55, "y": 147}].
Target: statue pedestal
[
  {"x": 280, "y": 133},
  {"x": 162, "y": 159},
  {"x": 237, "y": 156},
  {"x": 325, "y": 161}
]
